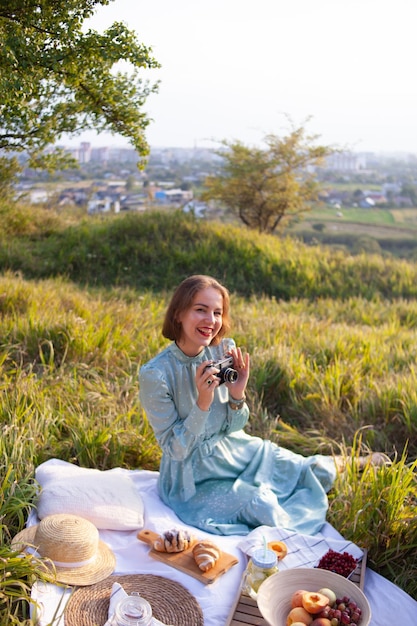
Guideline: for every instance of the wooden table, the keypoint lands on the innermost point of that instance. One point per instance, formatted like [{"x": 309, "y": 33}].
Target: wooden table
[{"x": 246, "y": 613}]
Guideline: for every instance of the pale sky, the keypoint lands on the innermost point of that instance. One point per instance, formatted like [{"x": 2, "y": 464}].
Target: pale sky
[{"x": 234, "y": 69}]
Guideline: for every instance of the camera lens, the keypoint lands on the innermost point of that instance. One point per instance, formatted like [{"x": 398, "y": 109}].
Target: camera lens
[{"x": 230, "y": 375}]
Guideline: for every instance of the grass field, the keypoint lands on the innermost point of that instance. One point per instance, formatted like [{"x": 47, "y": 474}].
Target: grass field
[
  {"x": 386, "y": 231},
  {"x": 332, "y": 337},
  {"x": 405, "y": 219}
]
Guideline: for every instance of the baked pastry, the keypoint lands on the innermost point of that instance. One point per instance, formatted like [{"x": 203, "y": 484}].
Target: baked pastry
[
  {"x": 206, "y": 554},
  {"x": 174, "y": 540}
]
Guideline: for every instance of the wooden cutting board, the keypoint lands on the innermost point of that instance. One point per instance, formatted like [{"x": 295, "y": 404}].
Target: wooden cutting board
[{"x": 184, "y": 561}]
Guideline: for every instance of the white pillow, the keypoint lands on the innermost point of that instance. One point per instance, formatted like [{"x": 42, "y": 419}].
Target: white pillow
[{"x": 107, "y": 498}]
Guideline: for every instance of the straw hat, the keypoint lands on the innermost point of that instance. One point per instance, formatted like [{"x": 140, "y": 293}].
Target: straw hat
[{"x": 72, "y": 544}]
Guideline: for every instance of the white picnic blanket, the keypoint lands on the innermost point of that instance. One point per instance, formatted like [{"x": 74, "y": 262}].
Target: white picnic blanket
[{"x": 390, "y": 605}]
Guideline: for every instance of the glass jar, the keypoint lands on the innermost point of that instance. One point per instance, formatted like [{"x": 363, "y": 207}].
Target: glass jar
[
  {"x": 262, "y": 564},
  {"x": 133, "y": 611}
]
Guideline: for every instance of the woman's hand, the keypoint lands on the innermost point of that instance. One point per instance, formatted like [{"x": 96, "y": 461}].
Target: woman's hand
[
  {"x": 241, "y": 363},
  {"x": 206, "y": 381}
]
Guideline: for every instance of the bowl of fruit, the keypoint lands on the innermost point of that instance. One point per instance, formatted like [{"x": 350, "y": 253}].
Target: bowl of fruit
[{"x": 305, "y": 596}]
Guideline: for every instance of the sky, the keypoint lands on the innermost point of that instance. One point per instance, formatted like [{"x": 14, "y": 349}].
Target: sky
[{"x": 240, "y": 69}]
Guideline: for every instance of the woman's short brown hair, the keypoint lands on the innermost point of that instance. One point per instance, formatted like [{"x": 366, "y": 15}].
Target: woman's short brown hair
[{"x": 183, "y": 299}]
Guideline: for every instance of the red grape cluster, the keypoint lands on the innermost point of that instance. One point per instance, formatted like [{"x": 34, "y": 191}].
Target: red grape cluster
[
  {"x": 341, "y": 563},
  {"x": 345, "y": 612}
]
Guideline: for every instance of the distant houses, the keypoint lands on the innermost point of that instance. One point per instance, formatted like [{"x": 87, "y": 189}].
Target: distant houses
[
  {"x": 105, "y": 197},
  {"x": 171, "y": 196},
  {"x": 133, "y": 191},
  {"x": 118, "y": 199}
]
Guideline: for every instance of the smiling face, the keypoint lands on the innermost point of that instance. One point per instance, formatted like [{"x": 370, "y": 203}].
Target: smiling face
[{"x": 201, "y": 322}]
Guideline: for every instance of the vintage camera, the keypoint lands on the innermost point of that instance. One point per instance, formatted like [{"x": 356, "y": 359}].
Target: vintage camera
[{"x": 227, "y": 374}]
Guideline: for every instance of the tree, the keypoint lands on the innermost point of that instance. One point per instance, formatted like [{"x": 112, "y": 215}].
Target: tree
[
  {"x": 57, "y": 76},
  {"x": 267, "y": 187}
]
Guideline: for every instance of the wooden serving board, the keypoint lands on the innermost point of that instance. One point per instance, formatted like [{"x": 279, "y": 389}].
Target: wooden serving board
[{"x": 184, "y": 561}]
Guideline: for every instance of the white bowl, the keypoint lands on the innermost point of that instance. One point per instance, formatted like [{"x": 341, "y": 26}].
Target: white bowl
[{"x": 274, "y": 595}]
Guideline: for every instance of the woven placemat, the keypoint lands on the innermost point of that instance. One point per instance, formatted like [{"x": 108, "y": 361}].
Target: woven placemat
[{"x": 171, "y": 602}]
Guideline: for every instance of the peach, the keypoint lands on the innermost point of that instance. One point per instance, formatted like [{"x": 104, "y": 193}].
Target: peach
[
  {"x": 314, "y": 602},
  {"x": 321, "y": 621},
  {"x": 297, "y": 598},
  {"x": 280, "y": 549},
  {"x": 298, "y": 614}
]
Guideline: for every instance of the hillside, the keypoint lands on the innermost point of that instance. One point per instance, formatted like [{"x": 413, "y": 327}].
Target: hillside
[{"x": 154, "y": 250}]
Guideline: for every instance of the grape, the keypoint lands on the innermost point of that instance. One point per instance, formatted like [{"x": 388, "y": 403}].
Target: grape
[
  {"x": 337, "y": 614},
  {"x": 345, "y": 613},
  {"x": 341, "y": 563}
]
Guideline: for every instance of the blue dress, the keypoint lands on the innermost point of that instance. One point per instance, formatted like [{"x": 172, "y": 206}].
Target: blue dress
[{"x": 215, "y": 476}]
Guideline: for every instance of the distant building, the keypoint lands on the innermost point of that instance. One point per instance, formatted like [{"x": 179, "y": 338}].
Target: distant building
[
  {"x": 366, "y": 203},
  {"x": 169, "y": 196},
  {"x": 178, "y": 196},
  {"x": 392, "y": 189},
  {"x": 84, "y": 155},
  {"x": 346, "y": 162},
  {"x": 123, "y": 155},
  {"x": 376, "y": 197},
  {"x": 100, "y": 155}
]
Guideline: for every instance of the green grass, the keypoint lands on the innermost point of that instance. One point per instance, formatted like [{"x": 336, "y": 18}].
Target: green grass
[
  {"x": 153, "y": 251},
  {"x": 378, "y": 509},
  {"x": 332, "y": 338},
  {"x": 391, "y": 232},
  {"x": 373, "y": 216},
  {"x": 17, "y": 572}
]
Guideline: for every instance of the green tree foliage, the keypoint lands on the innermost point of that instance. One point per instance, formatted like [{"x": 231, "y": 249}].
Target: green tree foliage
[
  {"x": 9, "y": 168},
  {"x": 57, "y": 76},
  {"x": 266, "y": 188}
]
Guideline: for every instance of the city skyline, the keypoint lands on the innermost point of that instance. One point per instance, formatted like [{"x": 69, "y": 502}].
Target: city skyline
[{"x": 236, "y": 70}]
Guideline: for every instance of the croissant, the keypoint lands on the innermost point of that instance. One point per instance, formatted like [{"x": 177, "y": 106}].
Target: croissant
[
  {"x": 175, "y": 540},
  {"x": 206, "y": 554}
]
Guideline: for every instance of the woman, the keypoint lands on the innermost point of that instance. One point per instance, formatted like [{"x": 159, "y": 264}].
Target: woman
[{"x": 212, "y": 474}]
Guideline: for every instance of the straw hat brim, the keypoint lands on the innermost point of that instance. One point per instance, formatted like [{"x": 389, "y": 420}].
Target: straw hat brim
[{"x": 100, "y": 568}]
